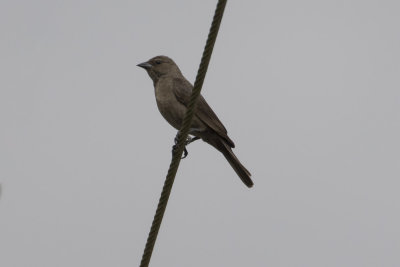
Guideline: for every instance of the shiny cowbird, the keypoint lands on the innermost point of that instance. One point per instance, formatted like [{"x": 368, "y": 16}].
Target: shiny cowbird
[{"x": 173, "y": 93}]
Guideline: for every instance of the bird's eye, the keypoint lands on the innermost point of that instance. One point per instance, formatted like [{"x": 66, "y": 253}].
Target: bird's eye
[{"x": 158, "y": 62}]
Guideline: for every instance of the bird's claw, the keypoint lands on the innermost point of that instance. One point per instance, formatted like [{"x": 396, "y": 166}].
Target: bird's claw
[
  {"x": 175, "y": 147},
  {"x": 187, "y": 142},
  {"x": 185, "y": 152}
]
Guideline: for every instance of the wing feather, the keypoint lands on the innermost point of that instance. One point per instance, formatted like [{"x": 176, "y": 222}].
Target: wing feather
[{"x": 183, "y": 90}]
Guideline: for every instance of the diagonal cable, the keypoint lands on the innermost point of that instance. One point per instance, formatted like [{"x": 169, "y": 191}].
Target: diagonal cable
[{"x": 183, "y": 134}]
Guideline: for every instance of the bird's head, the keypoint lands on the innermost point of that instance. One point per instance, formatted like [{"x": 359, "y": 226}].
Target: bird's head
[{"x": 159, "y": 66}]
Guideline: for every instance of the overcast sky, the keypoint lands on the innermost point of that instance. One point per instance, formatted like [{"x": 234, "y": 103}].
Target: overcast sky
[{"x": 308, "y": 90}]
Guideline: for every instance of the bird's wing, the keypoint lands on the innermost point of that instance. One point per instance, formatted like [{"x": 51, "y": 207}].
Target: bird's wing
[{"x": 183, "y": 90}]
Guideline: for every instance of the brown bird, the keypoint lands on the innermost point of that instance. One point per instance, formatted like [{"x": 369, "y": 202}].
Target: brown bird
[{"x": 173, "y": 93}]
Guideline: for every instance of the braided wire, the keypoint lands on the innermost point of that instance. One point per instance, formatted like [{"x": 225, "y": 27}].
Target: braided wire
[{"x": 183, "y": 134}]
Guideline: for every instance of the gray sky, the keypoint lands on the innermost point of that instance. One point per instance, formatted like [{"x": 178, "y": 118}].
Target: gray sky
[{"x": 308, "y": 90}]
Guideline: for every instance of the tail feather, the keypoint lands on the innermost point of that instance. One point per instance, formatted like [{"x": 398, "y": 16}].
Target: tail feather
[{"x": 241, "y": 171}]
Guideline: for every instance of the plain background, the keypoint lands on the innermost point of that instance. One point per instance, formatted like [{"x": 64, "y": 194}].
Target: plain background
[{"x": 308, "y": 90}]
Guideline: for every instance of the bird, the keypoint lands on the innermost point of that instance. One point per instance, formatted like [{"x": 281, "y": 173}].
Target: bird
[{"x": 172, "y": 92}]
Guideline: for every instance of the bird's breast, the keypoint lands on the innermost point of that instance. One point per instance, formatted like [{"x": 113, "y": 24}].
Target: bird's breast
[{"x": 170, "y": 108}]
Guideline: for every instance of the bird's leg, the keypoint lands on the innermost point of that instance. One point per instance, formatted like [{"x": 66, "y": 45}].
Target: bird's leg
[
  {"x": 187, "y": 142},
  {"x": 175, "y": 147},
  {"x": 191, "y": 140}
]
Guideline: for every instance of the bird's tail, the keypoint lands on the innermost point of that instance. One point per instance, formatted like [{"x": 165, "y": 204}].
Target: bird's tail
[{"x": 241, "y": 171}]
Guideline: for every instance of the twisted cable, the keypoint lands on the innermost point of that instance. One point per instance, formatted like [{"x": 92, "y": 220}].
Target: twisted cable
[{"x": 183, "y": 134}]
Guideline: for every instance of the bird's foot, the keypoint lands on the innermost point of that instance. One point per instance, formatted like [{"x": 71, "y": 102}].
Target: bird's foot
[
  {"x": 187, "y": 142},
  {"x": 175, "y": 147}
]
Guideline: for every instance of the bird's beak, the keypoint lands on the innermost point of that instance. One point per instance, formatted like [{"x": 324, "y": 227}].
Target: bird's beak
[{"x": 145, "y": 65}]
